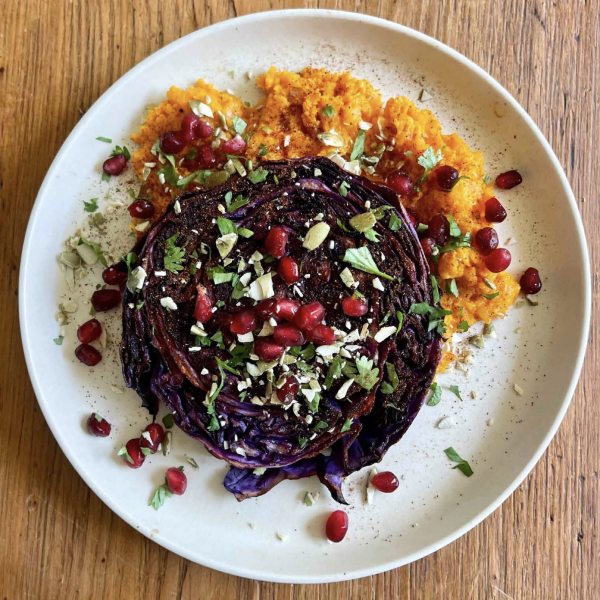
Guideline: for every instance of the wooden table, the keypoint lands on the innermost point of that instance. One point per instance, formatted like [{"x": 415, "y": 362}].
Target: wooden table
[{"x": 57, "y": 540}]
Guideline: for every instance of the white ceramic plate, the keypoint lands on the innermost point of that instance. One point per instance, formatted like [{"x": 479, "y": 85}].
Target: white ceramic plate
[{"x": 501, "y": 433}]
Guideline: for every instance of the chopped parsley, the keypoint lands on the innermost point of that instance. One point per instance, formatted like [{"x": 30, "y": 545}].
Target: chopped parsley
[
  {"x": 343, "y": 189},
  {"x": 104, "y": 139},
  {"x": 360, "y": 258},
  {"x": 174, "y": 255},
  {"x": 366, "y": 376},
  {"x": 463, "y": 466},
  {"x": 454, "y": 228},
  {"x": 233, "y": 205},
  {"x": 302, "y": 442},
  {"x": 436, "y": 395},
  {"x": 359, "y": 145},
  {"x": 435, "y": 289},
  {"x": 263, "y": 150},
  {"x": 328, "y": 111},
  {"x": 436, "y": 315},
  {"x": 400, "y": 316},
  {"x": 59, "y": 340}
]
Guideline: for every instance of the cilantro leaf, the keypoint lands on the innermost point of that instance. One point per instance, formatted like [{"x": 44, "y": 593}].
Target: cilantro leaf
[
  {"x": 359, "y": 145},
  {"x": 435, "y": 289},
  {"x": 463, "y": 466},
  {"x": 395, "y": 223},
  {"x": 91, "y": 206},
  {"x": 226, "y": 226},
  {"x": 372, "y": 235},
  {"x": 59, "y": 340},
  {"x": 400, "y": 316},
  {"x": 463, "y": 326},
  {"x": 454, "y": 389},
  {"x": 258, "y": 175},
  {"x": 160, "y": 495},
  {"x": 451, "y": 287},
  {"x": 346, "y": 426},
  {"x": 328, "y": 111},
  {"x": 389, "y": 388},
  {"x": 367, "y": 375},
  {"x": 121, "y": 151},
  {"x": 436, "y": 395},
  {"x": 302, "y": 442},
  {"x": 174, "y": 255},
  {"x": 428, "y": 160},
  {"x": 454, "y": 228},
  {"x": 360, "y": 258},
  {"x": 343, "y": 189},
  {"x": 334, "y": 372}
]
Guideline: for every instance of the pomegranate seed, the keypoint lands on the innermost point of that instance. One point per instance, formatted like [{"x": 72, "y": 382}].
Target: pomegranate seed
[
  {"x": 486, "y": 239},
  {"x": 320, "y": 335},
  {"x": 337, "y": 526},
  {"x": 439, "y": 229},
  {"x": 205, "y": 130},
  {"x": 88, "y": 355},
  {"x": 134, "y": 451},
  {"x": 234, "y": 146},
  {"x": 98, "y": 426},
  {"x": 385, "y": 482},
  {"x": 206, "y": 157},
  {"x": 355, "y": 306},
  {"x": 276, "y": 241},
  {"x": 447, "y": 177},
  {"x": 266, "y": 349},
  {"x": 286, "y": 309},
  {"x": 189, "y": 128},
  {"x": 266, "y": 309},
  {"x": 412, "y": 215},
  {"x": 400, "y": 183},
  {"x": 288, "y": 335},
  {"x": 429, "y": 247},
  {"x": 171, "y": 143},
  {"x": 509, "y": 180},
  {"x": 494, "y": 211},
  {"x": 498, "y": 260},
  {"x": 89, "y": 331},
  {"x": 114, "y": 276},
  {"x": 309, "y": 315},
  {"x": 288, "y": 269},
  {"x": 243, "y": 322},
  {"x": 531, "y": 282},
  {"x": 156, "y": 434},
  {"x": 114, "y": 165},
  {"x": 287, "y": 392},
  {"x": 141, "y": 209},
  {"x": 203, "y": 308},
  {"x": 103, "y": 300},
  {"x": 176, "y": 480}
]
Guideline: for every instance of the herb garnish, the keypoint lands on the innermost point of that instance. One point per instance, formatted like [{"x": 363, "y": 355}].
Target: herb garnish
[
  {"x": 435, "y": 289},
  {"x": 168, "y": 420},
  {"x": 436, "y": 395},
  {"x": 451, "y": 287},
  {"x": 104, "y": 139},
  {"x": 360, "y": 258},
  {"x": 436, "y": 315},
  {"x": 395, "y": 223},
  {"x": 258, "y": 175},
  {"x": 491, "y": 296},
  {"x": 343, "y": 189},
  {"x": 428, "y": 160},
  {"x": 365, "y": 375},
  {"x": 174, "y": 255},
  {"x": 463, "y": 466},
  {"x": 454, "y": 389},
  {"x": 160, "y": 495},
  {"x": 328, "y": 111},
  {"x": 123, "y": 452},
  {"x": 91, "y": 206},
  {"x": 463, "y": 326},
  {"x": 346, "y": 426},
  {"x": 263, "y": 150},
  {"x": 118, "y": 151},
  {"x": 59, "y": 340},
  {"x": 96, "y": 248},
  {"x": 389, "y": 388},
  {"x": 359, "y": 145},
  {"x": 238, "y": 124}
]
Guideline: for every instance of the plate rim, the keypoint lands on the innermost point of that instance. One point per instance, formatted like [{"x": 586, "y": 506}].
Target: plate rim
[{"x": 585, "y": 325}]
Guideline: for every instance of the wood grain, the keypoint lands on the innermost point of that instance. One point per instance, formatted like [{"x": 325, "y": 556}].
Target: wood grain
[{"x": 57, "y": 539}]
